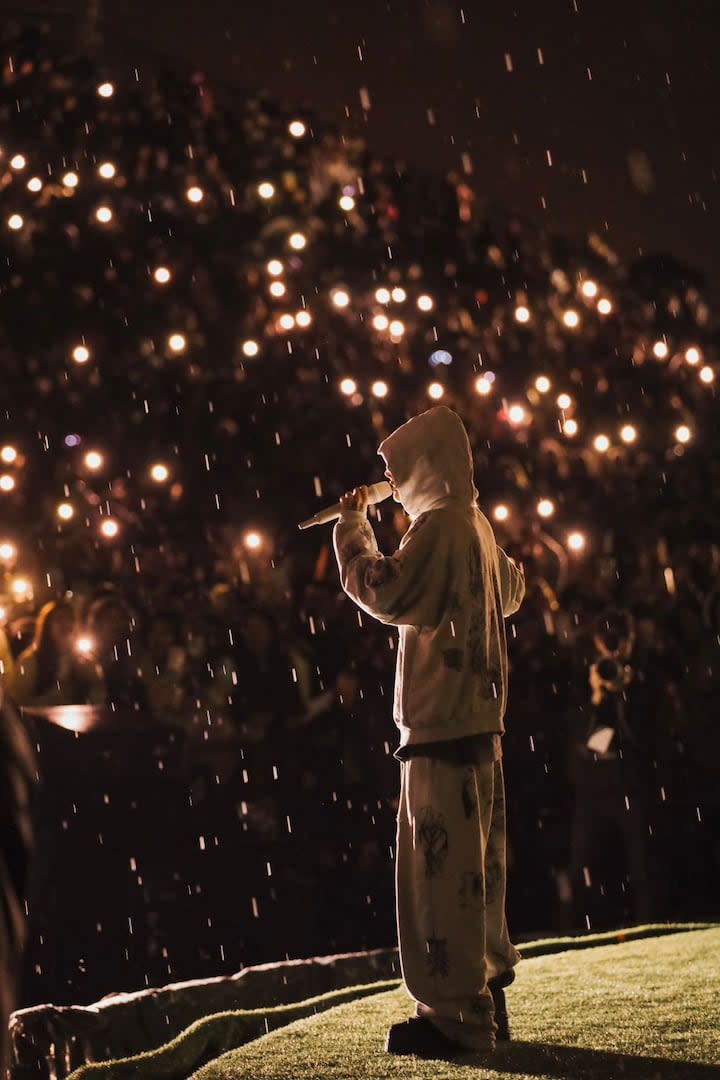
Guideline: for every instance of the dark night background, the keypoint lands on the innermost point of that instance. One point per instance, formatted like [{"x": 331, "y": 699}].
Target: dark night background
[
  {"x": 624, "y": 93},
  {"x": 584, "y": 117}
]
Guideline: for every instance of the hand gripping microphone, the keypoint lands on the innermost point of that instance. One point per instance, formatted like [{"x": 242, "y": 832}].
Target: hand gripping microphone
[{"x": 376, "y": 493}]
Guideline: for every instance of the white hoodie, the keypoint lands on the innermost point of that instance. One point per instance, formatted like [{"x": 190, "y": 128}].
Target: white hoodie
[{"x": 448, "y": 587}]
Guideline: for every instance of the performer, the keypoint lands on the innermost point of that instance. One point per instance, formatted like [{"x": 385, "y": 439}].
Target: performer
[{"x": 448, "y": 588}]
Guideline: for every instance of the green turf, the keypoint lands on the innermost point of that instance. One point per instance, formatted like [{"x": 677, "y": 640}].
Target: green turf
[{"x": 638, "y": 1010}]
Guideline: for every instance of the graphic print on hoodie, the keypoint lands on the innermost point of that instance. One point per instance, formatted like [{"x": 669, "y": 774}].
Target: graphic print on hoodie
[{"x": 448, "y": 587}]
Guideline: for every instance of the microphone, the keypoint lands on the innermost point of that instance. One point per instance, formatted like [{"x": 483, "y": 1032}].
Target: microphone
[{"x": 376, "y": 493}]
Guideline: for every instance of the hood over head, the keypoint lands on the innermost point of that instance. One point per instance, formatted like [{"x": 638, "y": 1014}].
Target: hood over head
[{"x": 431, "y": 461}]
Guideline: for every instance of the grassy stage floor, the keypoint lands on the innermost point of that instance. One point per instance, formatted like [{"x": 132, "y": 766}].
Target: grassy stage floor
[{"x": 646, "y": 1008}]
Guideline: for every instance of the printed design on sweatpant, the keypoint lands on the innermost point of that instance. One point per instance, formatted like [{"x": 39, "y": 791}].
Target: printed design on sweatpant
[
  {"x": 494, "y": 857},
  {"x": 433, "y": 837},
  {"x": 493, "y": 876},
  {"x": 453, "y": 659},
  {"x": 481, "y": 1005},
  {"x": 437, "y": 957},
  {"x": 444, "y": 921},
  {"x": 471, "y": 893},
  {"x": 469, "y": 803}
]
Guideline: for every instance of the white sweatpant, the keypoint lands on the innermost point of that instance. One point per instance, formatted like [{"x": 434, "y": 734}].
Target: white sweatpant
[{"x": 450, "y": 893}]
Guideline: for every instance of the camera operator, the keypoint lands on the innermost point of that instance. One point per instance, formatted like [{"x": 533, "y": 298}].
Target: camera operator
[{"x": 611, "y": 765}]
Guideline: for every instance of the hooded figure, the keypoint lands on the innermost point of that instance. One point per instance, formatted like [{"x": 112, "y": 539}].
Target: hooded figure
[{"x": 448, "y": 588}]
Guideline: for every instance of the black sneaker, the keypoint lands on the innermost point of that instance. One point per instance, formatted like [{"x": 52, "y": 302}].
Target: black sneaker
[
  {"x": 495, "y": 986},
  {"x": 419, "y": 1037}
]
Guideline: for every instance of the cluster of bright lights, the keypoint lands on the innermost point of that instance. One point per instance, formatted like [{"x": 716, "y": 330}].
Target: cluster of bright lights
[
  {"x": 517, "y": 414},
  {"x": 398, "y": 295},
  {"x": 576, "y": 541},
  {"x": 349, "y": 388},
  {"x": 570, "y": 317}
]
